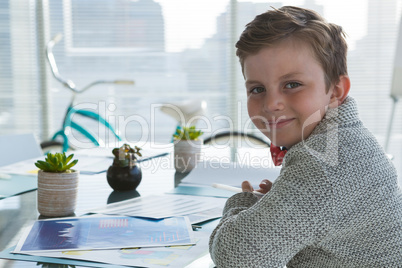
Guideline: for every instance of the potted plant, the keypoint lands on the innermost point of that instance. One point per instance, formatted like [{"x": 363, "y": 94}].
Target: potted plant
[
  {"x": 57, "y": 185},
  {"x": 187, "y": 148},
  {"x": 125, "y": 173}
]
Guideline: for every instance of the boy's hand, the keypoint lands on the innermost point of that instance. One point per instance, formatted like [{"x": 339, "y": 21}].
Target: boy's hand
[
  {"x": 246, "y": 187},
  {"x": 265, "y": 186}
]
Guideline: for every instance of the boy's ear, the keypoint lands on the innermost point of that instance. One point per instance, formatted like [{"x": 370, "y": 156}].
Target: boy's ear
[{"x": 340, "y": 91}]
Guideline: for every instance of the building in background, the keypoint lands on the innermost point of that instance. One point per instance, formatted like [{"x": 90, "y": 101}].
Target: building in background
[{"x": 123, "y": 39}]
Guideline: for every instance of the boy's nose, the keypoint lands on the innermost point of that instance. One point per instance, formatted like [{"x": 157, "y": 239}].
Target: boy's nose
[{"x": 273, "y": 102}]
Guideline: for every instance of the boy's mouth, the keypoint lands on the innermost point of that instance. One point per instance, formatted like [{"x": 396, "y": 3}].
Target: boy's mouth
[{"x": 277, "y": 124}]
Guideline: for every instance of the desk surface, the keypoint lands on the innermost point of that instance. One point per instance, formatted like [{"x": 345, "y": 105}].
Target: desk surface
[{"x": 19, "y": 212}]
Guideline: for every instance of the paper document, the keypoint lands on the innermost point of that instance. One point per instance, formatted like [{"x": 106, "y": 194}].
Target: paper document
[
  {"x": 86, "y": 165},
  {"x": 151, "y": 257},
  {"x": 233, "y": 174},
  {"x": 105, "y": 233},
  {"x": 17, "y": 184},
  {"x": 197, "y": 208},
  {"x": 26, "y": 167}
]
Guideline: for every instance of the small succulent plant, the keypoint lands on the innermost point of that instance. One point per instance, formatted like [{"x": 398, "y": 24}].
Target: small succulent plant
[
  {"x": 187, "y": 133},
  {"x": 125, "y": 155},
  {"x": 57, "y": 163}
]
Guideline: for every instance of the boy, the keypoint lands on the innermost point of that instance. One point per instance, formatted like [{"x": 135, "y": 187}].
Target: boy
[{"x": 336, "y": 202}]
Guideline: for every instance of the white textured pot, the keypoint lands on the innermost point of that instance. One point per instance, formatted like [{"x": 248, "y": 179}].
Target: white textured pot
[
  {"x": 186, "y": 154},
  {"x": 57, "y": 193}
]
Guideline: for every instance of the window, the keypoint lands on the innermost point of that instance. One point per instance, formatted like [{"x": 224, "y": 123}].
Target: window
[{"x": 174, "y": 51}]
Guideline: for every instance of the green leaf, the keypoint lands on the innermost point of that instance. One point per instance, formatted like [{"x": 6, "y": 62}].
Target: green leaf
[
  {"x": 52, "y": 163},
  {"x": 50, "y": 158},
  {"x": 187, "y": 133},
  {"x": 57, "y": 162},
  {"x": 40, "y": 166},
  {"x": 69, "y": 158},
  {"x": 49, "y": 167},
  {"x": 59, "y": 159},
  {"x": 41, "y": 162},
  {"x": 72, "y": 164},
  {"x": 59, "y": 167}
]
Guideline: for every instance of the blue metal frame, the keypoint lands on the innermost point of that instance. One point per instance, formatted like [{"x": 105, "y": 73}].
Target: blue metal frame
[{"x": 69, "y": 123}]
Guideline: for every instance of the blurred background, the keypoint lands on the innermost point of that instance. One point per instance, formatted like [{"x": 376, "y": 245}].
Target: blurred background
[{"x": 174, "y": 50}]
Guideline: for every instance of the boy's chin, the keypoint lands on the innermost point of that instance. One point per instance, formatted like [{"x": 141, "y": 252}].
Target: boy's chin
[
  {"x": 280, "y": 139},
  {"x": 283, "y": 143}
]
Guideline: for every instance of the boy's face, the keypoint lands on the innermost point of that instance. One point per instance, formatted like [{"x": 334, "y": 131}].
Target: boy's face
[{"x": 286, "y": 94}]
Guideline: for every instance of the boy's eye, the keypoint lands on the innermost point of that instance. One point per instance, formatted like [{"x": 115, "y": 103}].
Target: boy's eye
[
  {"x": 292, "y": 85},
  {"x": 257, "y": 90}
]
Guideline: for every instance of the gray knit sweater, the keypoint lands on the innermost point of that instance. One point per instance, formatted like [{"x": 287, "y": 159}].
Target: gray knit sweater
[{"x": 336, "y": 203}]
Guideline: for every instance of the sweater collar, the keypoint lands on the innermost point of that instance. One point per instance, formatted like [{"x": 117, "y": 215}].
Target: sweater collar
[{"x": 344, "y": 114}]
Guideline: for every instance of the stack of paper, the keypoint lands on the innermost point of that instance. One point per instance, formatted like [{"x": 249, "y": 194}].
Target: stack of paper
[
  {"x": 151, "y": 257},
  {"x": 88, "y": 233},
  {"x": 118, "y": 240},
  {"x": 160, "y": 234},
  {"x": 196, "y": 208}
]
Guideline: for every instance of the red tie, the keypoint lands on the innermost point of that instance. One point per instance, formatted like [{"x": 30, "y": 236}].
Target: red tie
[{"x": 277, "y": 154}]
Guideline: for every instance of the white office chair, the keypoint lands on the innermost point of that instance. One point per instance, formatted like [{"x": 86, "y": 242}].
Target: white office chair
[
  {"x": 15, "y": 148},
  {"x": 396, "y": 87}
]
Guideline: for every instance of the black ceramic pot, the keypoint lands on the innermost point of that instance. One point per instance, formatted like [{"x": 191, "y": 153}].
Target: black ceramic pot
[{"x": 124, "y": 178}]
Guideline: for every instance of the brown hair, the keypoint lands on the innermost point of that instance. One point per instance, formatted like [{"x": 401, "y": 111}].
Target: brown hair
[{"x": 327, "y": 40}]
